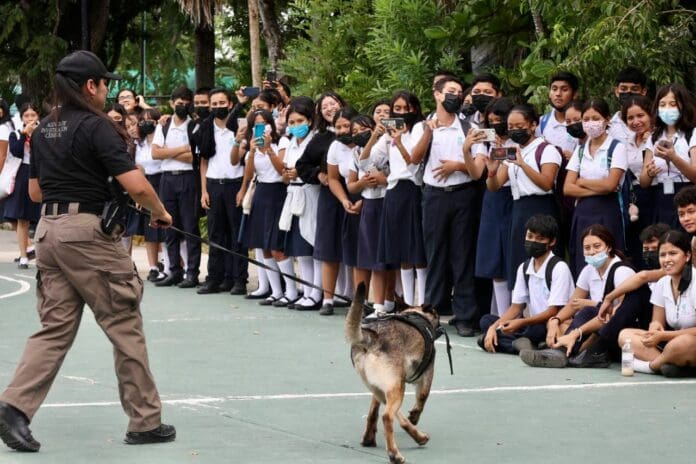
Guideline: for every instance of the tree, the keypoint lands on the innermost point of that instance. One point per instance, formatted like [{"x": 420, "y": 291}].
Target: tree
[{"x": 202, "y": 13}]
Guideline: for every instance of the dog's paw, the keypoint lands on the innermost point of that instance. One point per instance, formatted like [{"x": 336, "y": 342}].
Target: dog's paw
[
  {"x": 396, "y": 459},
  {"x": 414, "y": 416},
  {"x": 424, "y": 438},
  {"x": 369, "y": 442}
]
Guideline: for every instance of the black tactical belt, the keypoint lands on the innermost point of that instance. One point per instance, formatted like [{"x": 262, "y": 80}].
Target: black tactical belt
[{"x": 56, "y": 208}]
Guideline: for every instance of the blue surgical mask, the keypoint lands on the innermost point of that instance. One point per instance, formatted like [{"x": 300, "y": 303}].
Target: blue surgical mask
[
  {"x": 300, "y": 131},
  {"x": 669, "y": 116},
  {"x": 598, "y": 259}
]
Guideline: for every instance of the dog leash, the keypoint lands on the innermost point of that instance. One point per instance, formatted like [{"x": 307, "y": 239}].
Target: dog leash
[
  {"x": 147, "y": 214},
  {"x": 441, "y": 331}
]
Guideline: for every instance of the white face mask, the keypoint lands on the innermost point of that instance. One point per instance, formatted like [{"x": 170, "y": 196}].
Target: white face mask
[{"x": 593, "y": 129}]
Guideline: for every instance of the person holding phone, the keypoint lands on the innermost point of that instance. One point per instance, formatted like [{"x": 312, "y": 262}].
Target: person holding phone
[
  {"x": 670, "y": 157},
  {"x": 532, "y": 174}
]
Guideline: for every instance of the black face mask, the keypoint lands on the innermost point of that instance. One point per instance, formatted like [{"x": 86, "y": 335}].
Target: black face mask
[
  {"x": 468, "y": 109},
  {"x": 651, "y": 260},
  {"x": 452, "y": 103},
  {"x": 345, "y": 139},
  {"x": 202, "y": 111},
  {"x": 575, "y": 130},
  {"x": 535, "y": 249},
  {"x": 146, "y": 127},
  {"x": 362, "y": 138},
  {"x": 481, "y": 101},
  {"x": 409, "y": 118},
  {"x": 220, "y": 112},
  {"x": 519, "y": 136},
  {"x": 625, "y": 96},
  {"x": 500, "y": 129},
  {"x": 181, "y": 111}
]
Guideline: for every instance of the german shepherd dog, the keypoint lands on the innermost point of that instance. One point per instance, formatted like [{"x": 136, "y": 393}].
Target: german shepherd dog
[{"x": 387, "y": 354}]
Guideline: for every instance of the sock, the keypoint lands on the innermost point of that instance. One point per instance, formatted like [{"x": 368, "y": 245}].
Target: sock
[
  {"x": 165, "y": 259},
  {"x": 183, "y": 252},
  {"x": 273, "y": 278},
  {"x": 503, "y": 296},
  {"x": 421, "y": 274},
  {"x": 388, "y": 306},
  {"x": 306, "y": 272},
  {"x": 317, "y": 294},
  {"x": 286, "y": 267},
  {"x": 642, "y": 366},
  {"x": 153, "y": 268},
  {"x": 379, "y": 308},
  {"x": 263, "y": 277},
  {"x": 23, "y": 260},
  {"x": 348, "y": 282},
  {"x": 407, "y": 283},
  {"x": 328, "y": 301},
  {"x": 398, "y": 286}
]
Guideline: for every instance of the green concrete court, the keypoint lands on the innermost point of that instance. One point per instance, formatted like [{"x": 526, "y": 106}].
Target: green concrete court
[{"x": 248, "y": 384}]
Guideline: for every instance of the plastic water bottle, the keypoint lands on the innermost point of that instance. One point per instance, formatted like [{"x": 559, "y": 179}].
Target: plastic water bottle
[{"x": 627, "y": 359}]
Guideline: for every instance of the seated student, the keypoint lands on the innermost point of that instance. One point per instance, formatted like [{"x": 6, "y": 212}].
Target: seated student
[
  {"x": 604, "y": 271},
  {"x": 544, "y": 284},
  {"x": 669, "y": 344}
]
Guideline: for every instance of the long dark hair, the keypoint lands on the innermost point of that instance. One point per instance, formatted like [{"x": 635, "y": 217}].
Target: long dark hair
[
  {"x": 68, "y": 92},
  {"x": 605, "y": 235},
  {"x": 687, "y": 110},
  {"x": 5, "y": 113},
  {"x": 320, "y": 124},
  {"x": 412, "y": 101}
]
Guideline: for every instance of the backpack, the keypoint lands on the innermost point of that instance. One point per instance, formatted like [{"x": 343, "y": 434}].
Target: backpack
[
  {"x": 549, "y": 270},
  {"x": 543, "y": 122},
  {"x": 609, "y": 286},
  {"x": 560, "y": 177}
]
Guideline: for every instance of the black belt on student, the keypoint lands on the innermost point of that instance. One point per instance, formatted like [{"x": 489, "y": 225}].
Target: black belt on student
[
  {"x": 296, "y": 184},
  {"x": 450, "y": 188},
  {"x": 54, "y": 208},
  {"x": 178, "y": 173},
  {"x": 237, "y": 180}
]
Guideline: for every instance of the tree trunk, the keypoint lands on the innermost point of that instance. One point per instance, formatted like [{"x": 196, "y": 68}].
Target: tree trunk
[
  {"x": 254, "y": 42},
  {"x": 536, "y": 17},
  {"x": 205, "y": 56},
  {"x": 271, "y": 31},
  {"x": 98, "y": 20}
]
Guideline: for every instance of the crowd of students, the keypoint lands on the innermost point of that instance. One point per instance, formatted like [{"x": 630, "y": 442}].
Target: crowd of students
[{"x": 425, "y": 207}]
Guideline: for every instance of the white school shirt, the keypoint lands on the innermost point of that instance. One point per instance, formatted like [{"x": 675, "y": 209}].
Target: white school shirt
[
  {"x": 265, "y": 172},
  {"x": 480, "y": 149},
  {"x": 590, "y": 280},
  {"x": 372, "y": 163},
  {"x": 143, "y": 157},
  {"x": 294, "y": 151},
  {"x": 556, "y": 133},
  {"x": 681, "y": 148},
  {"x": 519, "y": 181},
  {"x": 537, "y": 297},
  {"x": 619, "y": 130},
  {"x": 176, "y": 137},
  {"x": 595, "y": 167},
  {"x": 340, "y": 155},
  {"x": 447, "y": 143},
  {"x": 17, "y": 120},
  {"x": 220, "y": 165},
  {"x": 634, "y": 154},
  {"x": 680, "y": 314},
  {"x": 5, "y": 131},
  {"x": 398, "y": 169}
]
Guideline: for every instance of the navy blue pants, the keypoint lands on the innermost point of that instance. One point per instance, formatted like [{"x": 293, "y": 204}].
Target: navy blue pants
[
  {"x": 178, "y": 194},
  {"x": 536, "y": 333},
  {"x": 224, "y": 218},
  {"x": 449, "y": 233}
]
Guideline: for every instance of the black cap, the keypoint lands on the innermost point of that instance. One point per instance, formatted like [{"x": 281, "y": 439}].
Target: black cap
[{"x": 82, "y": 65}]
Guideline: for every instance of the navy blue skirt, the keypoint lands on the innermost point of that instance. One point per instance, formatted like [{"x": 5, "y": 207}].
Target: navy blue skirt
[
  {"x": 19, "y": 205},
  {"x": 139, "y": 224},
  {"x": 601, "y": 209},
  {"x": 494, "y": 233},
  {"x": 295, "y": 244},
  {"x": 664, "y": 210},
  {"x": 522, "y": 210},
  {"x": 401, "y": 227},
  {"x": 349, "y": 235},
  {"x": 368, "y": 235},
  {"x": 261, "y": 228},
  {"x": 328, "y": 240}
]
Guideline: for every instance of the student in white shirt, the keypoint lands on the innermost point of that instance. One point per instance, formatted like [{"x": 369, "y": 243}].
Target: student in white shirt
[
  {"x": 484, "y": 89},
  {"x": 670, "y": 157},
  {"x": 630, "y": 82},
  {"x": 569, "y": 333},
  {"x": 543, "y": 285},
  {"x": 595, "y": 173},
  {"x": 563, "y": 88},
  {"x": 669, "y": 344}
]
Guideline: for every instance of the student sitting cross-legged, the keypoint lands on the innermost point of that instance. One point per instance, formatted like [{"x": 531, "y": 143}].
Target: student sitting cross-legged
[{"x": 543, "y": 283}]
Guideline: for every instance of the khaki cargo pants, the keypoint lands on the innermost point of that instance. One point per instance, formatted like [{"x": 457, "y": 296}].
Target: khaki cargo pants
[{"x": 80, "y": 264}]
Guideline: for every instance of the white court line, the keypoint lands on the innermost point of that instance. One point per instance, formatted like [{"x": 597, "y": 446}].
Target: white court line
[
  {"x": 24, "y": 287},
  {"x": 459, "y": 345},
  {"x": 303, "y": 396}
]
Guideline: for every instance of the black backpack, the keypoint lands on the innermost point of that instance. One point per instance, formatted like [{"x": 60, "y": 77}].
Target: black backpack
[
  {"x": 549, "y": 270},
  {"x": 609, "y": 286}
]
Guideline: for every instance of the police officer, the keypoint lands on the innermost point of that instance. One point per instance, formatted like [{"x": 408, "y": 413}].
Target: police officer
[{"x": 75, "y": 150}]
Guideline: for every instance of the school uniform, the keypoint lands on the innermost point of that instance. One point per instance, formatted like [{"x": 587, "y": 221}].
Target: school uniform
[
  {"x": 670, "y": 180},
  {"x": 537, "y": 297},
  {"x": 644, "y": 198},
  {"x": 598, "y": 209},
  {"x": 680, "y": 314},
  {"x": 371, "y": 212},
  {"x": 223, "y": 182},
  {"x": 5, "y": 131},
  {"x": 18, "y": 205},
  {"x": 343, "y": 157},
  {"x": 140, "y": 224},
  {"x": 262, "y": 226},
  {"x": 449, "y": 209},
  {"x": 555, "y": 132},
  {"x": 618, "y": 130},
  {"x": 528, "y": 200},
  {"x": 492, "y": 256},
  {"x": 178, "y": 194}
]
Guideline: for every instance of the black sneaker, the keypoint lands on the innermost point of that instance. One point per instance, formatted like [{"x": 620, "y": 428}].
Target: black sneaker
[
  {"x": 674, "y": 371},
  {"x": 587, "y": 359},
  {"x": 544, "y": 358},
  {"x": 173, "y": 279},
  {"x": 188, "y": 282},
  {"x": 239, "y": 288},
  {"x": 162, "y": 434},
  {"x": 326, "y": 310},
  {"x": 522, "y": 344},
  {"x": 153, "y": 275},
  {"x": 14, "y": 429}
]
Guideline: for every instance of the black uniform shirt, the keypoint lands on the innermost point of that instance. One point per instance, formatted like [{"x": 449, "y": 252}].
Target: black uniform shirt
[{"x": 74, "y": 156}]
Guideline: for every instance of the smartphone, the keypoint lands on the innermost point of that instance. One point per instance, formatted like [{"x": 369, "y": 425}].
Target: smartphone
[
  {"x": 271, "y": 76},
  {"x": 666, "y": 144},
  {"x": 241, "y": 122},
  {"x": 251, "y": 92},
  {"x": 511, "y": 153},
  {"x": 503, "y": 153},
  {"x": 490, "y": 134},
  {"x": 259, "y": 128},
  {"x": 394, "y": 123}
]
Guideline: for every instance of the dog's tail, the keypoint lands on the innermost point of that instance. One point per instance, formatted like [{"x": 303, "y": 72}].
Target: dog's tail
[{"x": 355, "y": 315}]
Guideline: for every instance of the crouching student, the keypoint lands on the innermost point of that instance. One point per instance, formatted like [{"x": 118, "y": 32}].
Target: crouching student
[
  {"x": 669, "y": 344},
  {"x": 543, "y": 283}
]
